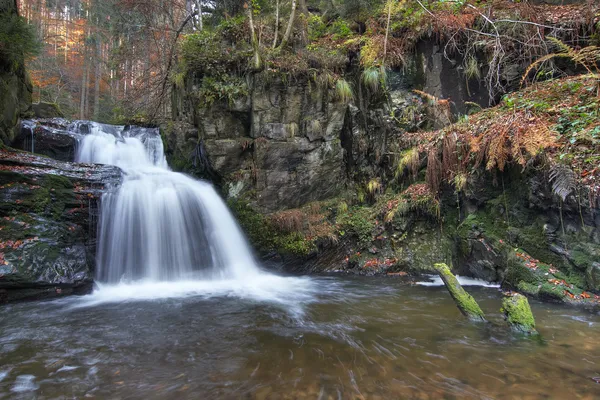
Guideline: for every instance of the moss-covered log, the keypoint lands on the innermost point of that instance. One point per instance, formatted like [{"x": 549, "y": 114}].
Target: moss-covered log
[
  {"x": 518, "y": 314},
  {"x": 464, "y": 301}
]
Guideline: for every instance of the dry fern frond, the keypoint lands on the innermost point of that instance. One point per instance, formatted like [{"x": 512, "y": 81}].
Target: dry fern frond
[
  {"x": 288, "y": 221},
  {"x": 587, "y": 57},
  {"x": 449, "y": 154},
  {"x": 433, "y": 176},
  {"x": 563, "y": 180}
]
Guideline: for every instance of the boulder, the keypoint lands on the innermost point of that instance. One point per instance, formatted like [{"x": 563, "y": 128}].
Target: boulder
[{"x": 46, "y": 110}]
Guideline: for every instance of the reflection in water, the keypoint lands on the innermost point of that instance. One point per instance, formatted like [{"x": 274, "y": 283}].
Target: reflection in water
[{"x": 290, "y": 338}]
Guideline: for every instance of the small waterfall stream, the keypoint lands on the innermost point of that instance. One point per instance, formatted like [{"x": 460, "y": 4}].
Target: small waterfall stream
[{"x": 159, "y": 225}]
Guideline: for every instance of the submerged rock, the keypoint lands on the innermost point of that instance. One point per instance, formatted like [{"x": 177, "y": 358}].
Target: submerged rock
[
  {"x": 464, "y": 301},
  {"x": 518, "y": 314}
]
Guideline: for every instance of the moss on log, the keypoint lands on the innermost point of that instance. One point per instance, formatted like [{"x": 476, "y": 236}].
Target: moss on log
[
  {"x": 464, "y": 301},
  {"x": 518, "y": 314}
]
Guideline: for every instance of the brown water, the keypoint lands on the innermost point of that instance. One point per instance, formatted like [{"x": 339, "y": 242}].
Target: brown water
[{"x": 332, "y": 338}]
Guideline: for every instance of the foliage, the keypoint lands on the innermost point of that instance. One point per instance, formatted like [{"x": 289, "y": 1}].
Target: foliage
[
  {"x": 588, "y": 57},
  {"x": 17, "y": 40},
  {"x": 556, "y": 119},
  {"x": 409, "y": 160},
  {"x": 266, "y": 233},
  {"x": 374, "y": 78},
  {"x": 317, "y": 28},
  {"x": 343, "y": 91},
  {"x": 563, "y": 180},
  {"x": 340, "y": 29},
  {"x": 228, "y": 87},
  {"x": 204, "y": 53},
  {"x": 358, "y": 222}
]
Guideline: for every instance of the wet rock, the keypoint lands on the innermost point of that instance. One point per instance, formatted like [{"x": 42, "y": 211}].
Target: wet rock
[
  {"x": 50, "y": 139},
  {"x": 48, "y": 224},
  {"x": 593, "y": 276},
  {"x": 518, "y": 314}
]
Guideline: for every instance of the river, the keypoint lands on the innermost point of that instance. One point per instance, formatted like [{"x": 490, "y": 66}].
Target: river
[{"x": 330, "y": 337}]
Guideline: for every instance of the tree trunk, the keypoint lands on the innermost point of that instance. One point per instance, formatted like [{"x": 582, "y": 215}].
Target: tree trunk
[
  {"x": 83, "y": 85},
  {"x": 304, "y": 11},
  {"x": 256, "y": 61},
  {"x": 97, "y": 77},
  {"x": 464, "y": 301},
  {"x": 387, "y": 29},
  {"x": 288, "y": 30},
  {"x": 276, "y": 24}
]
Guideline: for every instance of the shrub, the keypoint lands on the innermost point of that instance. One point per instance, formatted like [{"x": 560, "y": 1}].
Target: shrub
[
  {"x": 227, "y": 88},
  {"x": 340, "y": 29}
]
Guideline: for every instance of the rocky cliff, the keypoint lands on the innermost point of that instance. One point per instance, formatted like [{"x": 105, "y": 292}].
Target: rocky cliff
[{"x": 15, "y": 86}]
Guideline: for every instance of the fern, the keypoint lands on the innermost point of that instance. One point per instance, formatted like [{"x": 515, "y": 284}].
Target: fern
[
  {"x": 587, "y": 57},
  {"x": 374, "y": 78},
  {"x": 410, "y": 160},
  {"x": 563, "y": 180},
  {"x": 433, "y": 175},
  {"x": 343, "y": 91}
]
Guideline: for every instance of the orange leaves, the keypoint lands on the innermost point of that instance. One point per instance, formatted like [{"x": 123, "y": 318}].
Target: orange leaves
[
  {"x": 376, "y": 263},
  {"x": 16, "y": 244},
  {"x": 530, "y": 262},
  {"x": 417, "y": 191},
  {"x": 401, "y": 273}
]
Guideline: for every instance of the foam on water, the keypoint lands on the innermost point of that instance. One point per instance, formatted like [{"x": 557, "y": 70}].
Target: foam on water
[
  {"x": 292, "y": 293},
  {"x": 463, "y": 280}
]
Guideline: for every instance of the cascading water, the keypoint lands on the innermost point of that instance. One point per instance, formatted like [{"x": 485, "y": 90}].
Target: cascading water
[{"x": 159, "y": 225}]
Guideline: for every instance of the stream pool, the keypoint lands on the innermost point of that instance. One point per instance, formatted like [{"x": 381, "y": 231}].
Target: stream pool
[{"x": 291, "y": 338}]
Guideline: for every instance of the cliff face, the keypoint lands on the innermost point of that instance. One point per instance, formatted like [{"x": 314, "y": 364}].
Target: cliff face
[
  {"x": 290, "y": 141},
  {"x": 15, "y": 87}
]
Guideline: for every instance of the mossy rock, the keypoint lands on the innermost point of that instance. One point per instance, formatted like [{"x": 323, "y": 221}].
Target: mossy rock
[
  {"x": 464, "y": 301},
  {"x": 47, "y": 110},
  {"x": 517, "y": 313}
]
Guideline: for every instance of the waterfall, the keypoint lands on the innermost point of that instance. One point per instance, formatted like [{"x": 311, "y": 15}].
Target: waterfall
[{"x": 159, "y": 225}]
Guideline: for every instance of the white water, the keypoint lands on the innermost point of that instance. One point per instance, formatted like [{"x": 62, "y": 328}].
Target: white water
[
  {"x": 159, "y": 225},
  {"x": 463, "y": 280}
]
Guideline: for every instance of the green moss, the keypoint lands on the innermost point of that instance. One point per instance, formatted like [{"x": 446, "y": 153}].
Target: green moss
[
  {"x": 517, "y": 272},
  {"x": 528, "y": 288},
  {"x": 518, "y": 314},
  {"x": 464, "y": 301},
  {"x": 358, "y": 222},
  {"x": 294, "y": 243}
]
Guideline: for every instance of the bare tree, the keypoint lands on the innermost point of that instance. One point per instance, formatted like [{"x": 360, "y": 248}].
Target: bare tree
[{"x": 288, "y": 30}]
